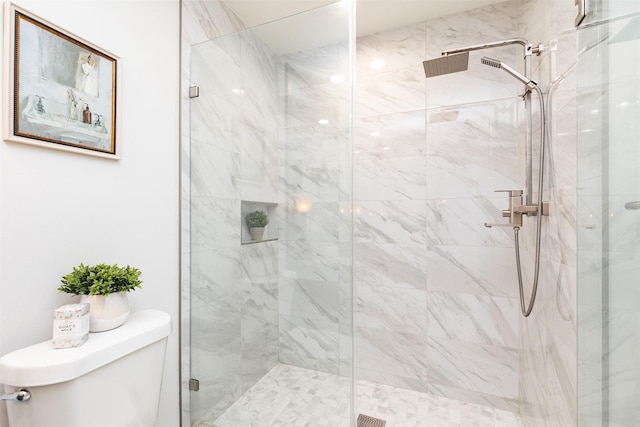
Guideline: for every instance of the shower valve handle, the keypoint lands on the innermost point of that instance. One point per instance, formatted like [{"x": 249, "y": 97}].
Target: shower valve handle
[
  {"x": 515, "y": 217},
  {"x": 502, "y": 224}
]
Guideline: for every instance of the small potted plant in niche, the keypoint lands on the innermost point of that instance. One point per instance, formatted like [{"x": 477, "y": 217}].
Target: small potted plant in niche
[
  {"x": 105, "y": 288},
  {"x": 257, "y": 221}
]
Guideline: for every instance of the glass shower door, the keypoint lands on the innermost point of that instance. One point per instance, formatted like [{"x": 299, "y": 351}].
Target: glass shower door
[
  {"x": 609, "y": 216},
  {"x": 233, "y": 287},
  {"x": 271, "y": 319}
]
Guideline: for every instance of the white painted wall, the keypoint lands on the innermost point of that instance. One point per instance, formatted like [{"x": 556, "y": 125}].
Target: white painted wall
[{"x": 58, "y": 209}]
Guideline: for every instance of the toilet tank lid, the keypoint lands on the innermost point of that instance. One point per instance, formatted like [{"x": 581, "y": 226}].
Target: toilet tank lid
[{"x": 41, "y": 364}]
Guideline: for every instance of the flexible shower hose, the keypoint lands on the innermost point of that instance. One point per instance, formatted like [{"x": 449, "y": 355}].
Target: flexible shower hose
[{"x": 526, "y": 309}]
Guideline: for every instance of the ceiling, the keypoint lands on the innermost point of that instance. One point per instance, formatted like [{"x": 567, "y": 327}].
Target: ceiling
[{"x": 371, "y": 15}]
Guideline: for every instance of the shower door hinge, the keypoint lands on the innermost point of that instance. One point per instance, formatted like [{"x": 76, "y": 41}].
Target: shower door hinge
[
  {"x": 194, "y": 385},
  {"x": 194, "y": 91}
]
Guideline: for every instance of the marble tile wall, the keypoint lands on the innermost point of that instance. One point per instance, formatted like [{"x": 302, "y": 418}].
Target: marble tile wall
[
  {"x": 436, "y": 306},
  {"x": 390, "y": 209},
  {"x": 548, "y": 343},
  {"x": 315, "y": 245}
]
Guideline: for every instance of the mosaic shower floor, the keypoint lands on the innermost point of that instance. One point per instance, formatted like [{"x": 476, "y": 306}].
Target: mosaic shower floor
[{"x": 289, "y": 396}]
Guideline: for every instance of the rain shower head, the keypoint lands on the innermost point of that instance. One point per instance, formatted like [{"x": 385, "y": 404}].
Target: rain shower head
[
  {"x": 498, "y": 64},
  {"x": 446, "y": 64}
]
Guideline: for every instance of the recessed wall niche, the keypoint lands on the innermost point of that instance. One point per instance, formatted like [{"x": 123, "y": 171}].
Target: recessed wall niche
[{"x": 270, "y": 231}]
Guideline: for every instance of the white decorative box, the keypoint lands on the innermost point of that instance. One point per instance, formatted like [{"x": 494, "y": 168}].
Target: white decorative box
[{"x": 70, "y": 325}]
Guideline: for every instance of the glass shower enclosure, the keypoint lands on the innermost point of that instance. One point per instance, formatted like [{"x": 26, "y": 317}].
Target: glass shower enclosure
[
  {"x": 609, "y": 215},
  {"x": 271, "y": 131}
]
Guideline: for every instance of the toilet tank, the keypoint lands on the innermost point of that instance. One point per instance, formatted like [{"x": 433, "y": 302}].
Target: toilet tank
[{"x": 112, "y": 380}]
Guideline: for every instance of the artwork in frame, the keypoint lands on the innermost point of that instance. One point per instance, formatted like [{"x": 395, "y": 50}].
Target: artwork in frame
[{"x": 60, "y": 91}]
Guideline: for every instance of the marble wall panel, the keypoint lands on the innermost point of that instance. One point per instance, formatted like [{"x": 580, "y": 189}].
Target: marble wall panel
[
  {"x": 321, "y": 224},
  {"x": 304, "y": 260},
  {"x": 215, "y": 127},
  {"x": 474, "y": 270},
  {"x": 423, "y": 226},
  {"x": 390, "y": 92},
  {"x": 308, "y": 105},
  {"x": 216, "y": 324},
  {"x": 310, "y": 300},
  {"x": 394, "y": 135},
  {"x": 309, "y": 343},
  {"x": 459, "y": 222},
  {"x": 221, "y": 383},
  {"x": 215, "y": 274},
  {"x": 257, "y": 158},
  {"x": 315, "y": 296},
  {"x": 481, "y": 25},
  {"x": 392, "y": 309},
  {"x": 473, "y": 367},
  {"x": 401, "y": 221},
  {"x": 399, "y": 48},
  {"x": 397, "y": 356},
  {"x": 313, "y": 180},
  {"x": 548, "y": 336},
  {"x": 214, "y": 223},
  {"x": 392, "y": 265},
  {"x": 314, "y": 66},
  {"x": 216, "y": 67},
  {"x": 485, "y": 320},
  {"x": 203, "y": 20},
  {"x": 259, "y": 312},
  {"x": 391, "y": 178},
  {"x": 316, "y": 144},
  {"x": 259, "y": 75},
  {"x": 214, "y": 171},
  {"x": 484, "y": 399}
]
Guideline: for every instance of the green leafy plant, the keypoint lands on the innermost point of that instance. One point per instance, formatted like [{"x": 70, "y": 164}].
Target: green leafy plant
[
  {"x": 257, "y": 219},
  {"x": 101, "y": 279}
]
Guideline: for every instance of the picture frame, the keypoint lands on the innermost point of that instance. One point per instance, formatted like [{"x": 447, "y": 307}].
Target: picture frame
[{"x": 60, "y": 91}]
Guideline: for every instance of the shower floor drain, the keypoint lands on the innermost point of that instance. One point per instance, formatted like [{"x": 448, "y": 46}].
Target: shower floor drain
[{"x": 367, "y": 421}]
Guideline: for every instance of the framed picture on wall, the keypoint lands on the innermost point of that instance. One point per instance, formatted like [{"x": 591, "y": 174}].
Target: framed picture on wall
[{"x": 60, "y": 91}]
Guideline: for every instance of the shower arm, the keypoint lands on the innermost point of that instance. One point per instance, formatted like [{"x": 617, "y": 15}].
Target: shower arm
[{"x": 529, "y": 50}]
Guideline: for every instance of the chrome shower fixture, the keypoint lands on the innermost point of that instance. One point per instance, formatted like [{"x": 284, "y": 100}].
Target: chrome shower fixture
[
  {"x": 456, "y": 60},
  {"x": 498, "y": 64}
]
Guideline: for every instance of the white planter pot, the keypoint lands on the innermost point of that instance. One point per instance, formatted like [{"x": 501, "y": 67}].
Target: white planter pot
[
  {"x": 106, "y": 311},
  {"x": 256, "y": 233}
]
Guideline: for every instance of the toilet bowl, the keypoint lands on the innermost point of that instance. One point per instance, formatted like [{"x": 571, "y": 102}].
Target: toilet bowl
[{"x": 112, "y": 380}]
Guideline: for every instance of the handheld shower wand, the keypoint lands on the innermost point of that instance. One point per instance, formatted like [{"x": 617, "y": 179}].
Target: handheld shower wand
[
  {"x": 537, "y": 209},
  {"x": 498, "y": 64}
]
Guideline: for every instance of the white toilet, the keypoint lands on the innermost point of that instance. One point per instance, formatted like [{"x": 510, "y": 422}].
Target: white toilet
[{"x": 112, "y": 380}]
